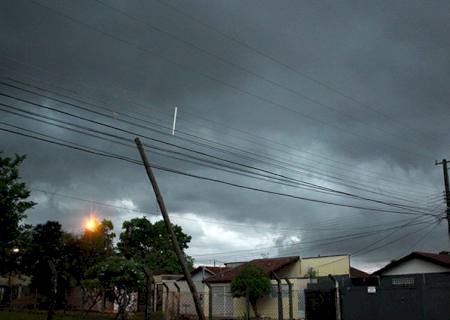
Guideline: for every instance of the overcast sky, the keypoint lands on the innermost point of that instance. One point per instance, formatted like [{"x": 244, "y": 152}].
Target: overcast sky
[{"x": 347, "y": 95}]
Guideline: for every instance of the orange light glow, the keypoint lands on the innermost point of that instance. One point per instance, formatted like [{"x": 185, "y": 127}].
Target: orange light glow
[{"x": 91, "y": 224}]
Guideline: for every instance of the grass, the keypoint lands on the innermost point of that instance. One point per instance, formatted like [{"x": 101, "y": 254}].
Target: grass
[{"x": 42, "y": 315}]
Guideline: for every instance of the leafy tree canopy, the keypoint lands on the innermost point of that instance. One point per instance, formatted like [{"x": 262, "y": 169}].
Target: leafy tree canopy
[
  {"x": 97, "y": 245},
  {"x": 117, "y": 272},
  {"x": 13, "y": 204},
  {"x": 251, "y": 282},
  {"x": 150, "y": 244},
  {"x": 47, "y": 245},
  {"x": 119, "y": 278}
]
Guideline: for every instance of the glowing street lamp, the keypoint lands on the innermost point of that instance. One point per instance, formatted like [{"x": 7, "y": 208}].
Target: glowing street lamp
[{"x": 91, "y": 224}]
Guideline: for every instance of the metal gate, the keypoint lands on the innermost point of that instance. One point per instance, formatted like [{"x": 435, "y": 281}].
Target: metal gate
[
  {"x": 222, "y": 301},
  {"x": 320, "y": 304}
]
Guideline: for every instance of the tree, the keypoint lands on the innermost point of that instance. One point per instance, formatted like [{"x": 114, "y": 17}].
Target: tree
[
  {"x": 13, "y": 204},
  {"x": 46, "y": 261},
  {"x": 15, "y": 262},
  {"x": 119, "y": 278},
  {"x": 92, "y": 248},
  {"x": 150, "y": 244},
  {"x": 91, "y": 294},
  {"x": 96, "y": 245},
  {"x": 251, "y": 282},
  {"x": 311, "y": 273}
]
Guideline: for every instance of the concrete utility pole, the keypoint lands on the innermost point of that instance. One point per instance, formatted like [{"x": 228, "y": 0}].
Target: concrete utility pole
[
  {"x": 173, "y": 237},
  {"x": 447, "y": 189}
]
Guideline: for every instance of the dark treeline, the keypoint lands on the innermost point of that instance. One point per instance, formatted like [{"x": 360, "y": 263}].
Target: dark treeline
[{"x": 56, "y": 260}]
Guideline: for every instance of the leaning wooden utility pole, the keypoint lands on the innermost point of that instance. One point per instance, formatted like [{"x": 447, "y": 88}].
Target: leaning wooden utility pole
[
  {"x": 173, "y": 237},
  {"x": 447, "y": 189}
]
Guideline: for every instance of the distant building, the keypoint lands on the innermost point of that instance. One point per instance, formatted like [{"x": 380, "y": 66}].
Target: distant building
[
  {"x": 356, "y": 273},
  {"x": 417, "y": 263},
  {"x": 15, "y": 288},
  {"x": 174, "y": 296},
  {"x": 415, "y": 287},
  {"x": 199, "y": 275},
  {"x": 293, "y": 272}
]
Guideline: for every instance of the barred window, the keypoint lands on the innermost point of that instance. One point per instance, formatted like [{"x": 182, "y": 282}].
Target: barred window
[
  {"x": 407, "y": 282},
  {"x": 301, "y": 303},
  {"x": 284, "y": 291}
]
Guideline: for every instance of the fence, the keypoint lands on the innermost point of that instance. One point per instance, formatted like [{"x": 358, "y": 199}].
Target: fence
[
  {"x": 412, "y": 297},
  {"x": 222, "y": 305}
]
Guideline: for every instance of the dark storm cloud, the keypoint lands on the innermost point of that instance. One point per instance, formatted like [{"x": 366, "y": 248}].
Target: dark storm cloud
[{"x": 389, "y": 56}]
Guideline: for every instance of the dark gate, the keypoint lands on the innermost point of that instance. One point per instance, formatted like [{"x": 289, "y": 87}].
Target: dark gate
[
  {"x": 410, "y": 296},
  {"x": 320, "y": 304}
]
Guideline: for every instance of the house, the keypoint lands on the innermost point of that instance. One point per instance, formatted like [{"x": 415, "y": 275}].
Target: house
[
  {"x": 199, "y": 275},
  {"x": 292, "y": 274},
  {"x": 417, "y": 263},
  {"x": 172, "y": 293},
  {"x": 415, "y": 287},
  {"x": 164, "y": 292},
  {"x": 15, "y": 289},
  {"x": 356, "y": 273},
  {"x": 76, "y": 300}
]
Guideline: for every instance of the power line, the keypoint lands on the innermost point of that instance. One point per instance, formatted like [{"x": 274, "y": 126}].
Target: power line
[
  {"x": 162, "y": 168},
  {"x": 171, "y": 144},
  {"x": 209, "y": 77},
  {"x": 352, "y": 185},
  {"x": 423, "y": 237},
  {"x": 393, "y": 241},
  {"x": 202, "y": 162},
  {"x": 315, "y": 242},
  {"x": 192, "y": 150},
  {"x": 239, "y": 130},
  {"x": 179, "y": 217},
  {"x": 281, "y": 63},
  {"x": 125, "y": 159},
  {"x": 226, "y": 61},
  {"x": 362, "y": 250}
]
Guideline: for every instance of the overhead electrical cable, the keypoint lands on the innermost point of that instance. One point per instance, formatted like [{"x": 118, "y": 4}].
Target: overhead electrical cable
[
  {"x": 285, "y": 65},
  {"x": 115, "y": 113},
  {"x": 178, "y": 146},
  {"x": 197, "y": 116},
  {"x": 214, "y": 79},
  {"x": 162, "y": 168}
]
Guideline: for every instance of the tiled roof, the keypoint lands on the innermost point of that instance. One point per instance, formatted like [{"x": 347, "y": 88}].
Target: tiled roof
[
  {"x": 356, "y": 273},
  {"x": 212, "y": 270},
  {"x": 268, "y": 265},
  {"x": 442, "y": 259},
  {"x": 215, "y": 269}
]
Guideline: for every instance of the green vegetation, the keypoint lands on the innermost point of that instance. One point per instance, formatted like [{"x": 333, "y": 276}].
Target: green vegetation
[
  {"x": 39, "y": 315},
  {"x": 57, "y": 260},
  {"x": 119, "y": 278},
  {"x": 253, "y": 283},
  {"x": 13, "y": 205},
  {"x": 150, "y": 244}
]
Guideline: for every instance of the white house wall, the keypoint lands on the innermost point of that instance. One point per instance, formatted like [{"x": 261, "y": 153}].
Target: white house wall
[{"x": 414, "y": 266}]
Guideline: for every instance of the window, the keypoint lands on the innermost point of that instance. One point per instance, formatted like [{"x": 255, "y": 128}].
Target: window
[
  {"x": 284, "y": 291},
  {"x": 301, "y": 303},
  {"x": 404, "y": 282}
]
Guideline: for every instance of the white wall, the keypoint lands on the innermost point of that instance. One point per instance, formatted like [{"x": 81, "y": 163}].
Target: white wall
[
  {"x": 198, "y": 282},
  {"x": 415, "y": 266}
]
